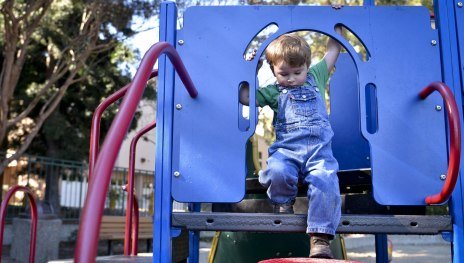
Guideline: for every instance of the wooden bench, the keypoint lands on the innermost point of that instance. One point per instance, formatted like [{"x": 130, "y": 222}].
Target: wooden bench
[{"x": 113, "y": 228}]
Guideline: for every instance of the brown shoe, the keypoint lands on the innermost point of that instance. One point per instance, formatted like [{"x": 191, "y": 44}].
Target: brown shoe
[{"x": 320, "y": 246}]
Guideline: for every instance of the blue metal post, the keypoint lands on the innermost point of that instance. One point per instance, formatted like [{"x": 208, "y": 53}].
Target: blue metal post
[
  {"x": 446, "y": 24},
  {"x": 381, "y": 248},
  {"x": 162, "y": 251}
]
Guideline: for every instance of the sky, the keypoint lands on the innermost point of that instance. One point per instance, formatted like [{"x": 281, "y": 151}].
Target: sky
[{"x": 148, "y": 36}]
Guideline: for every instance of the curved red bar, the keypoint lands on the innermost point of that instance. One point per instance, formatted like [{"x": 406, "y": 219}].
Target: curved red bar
[
  {"x": 130, "y": 187},
  {"x": 95, "y": 128},
  {"x": 34, "y": 218},
  {"x": 96, "y": 119},
  {"x": 455, "y": 141},
  {"x": 87, "y": 240}
]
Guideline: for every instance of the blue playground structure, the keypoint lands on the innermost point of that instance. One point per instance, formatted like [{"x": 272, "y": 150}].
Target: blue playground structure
[{"x": 393, "y": 134}]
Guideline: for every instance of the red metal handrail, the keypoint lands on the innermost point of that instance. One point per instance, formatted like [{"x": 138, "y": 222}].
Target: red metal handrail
[
  {"x": 34, "y": 218},
  {"x": 135, "y": 227},
  {"x": 455, "y": 141},
  {"x": 96, "y": 120},
  {"x": 95, "y": 134},
  {"x": 130, "y": 187},
  {"x": 87, "y": 240}
]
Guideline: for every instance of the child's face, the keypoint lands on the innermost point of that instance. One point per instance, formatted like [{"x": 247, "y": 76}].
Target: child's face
[{"x": 290, "y": 76}]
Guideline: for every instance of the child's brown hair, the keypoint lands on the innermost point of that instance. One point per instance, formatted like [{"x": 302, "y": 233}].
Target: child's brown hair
[{"x": 290, "y": 48}]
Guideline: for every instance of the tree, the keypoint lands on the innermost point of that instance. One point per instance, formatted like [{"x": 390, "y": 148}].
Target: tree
[{"x": 51, "y": 47}]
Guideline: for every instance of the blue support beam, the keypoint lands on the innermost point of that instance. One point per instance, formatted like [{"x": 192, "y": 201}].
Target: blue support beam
[
  {"x": 381, "y": 248},
  {"x": 162, "y": 250},
  {"x": 446, "y": 13}
]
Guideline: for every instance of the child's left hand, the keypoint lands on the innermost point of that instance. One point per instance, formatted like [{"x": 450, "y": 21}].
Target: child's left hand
[
  {"x": 337, "y": 6},
  {"x": 251, "y": 56}
]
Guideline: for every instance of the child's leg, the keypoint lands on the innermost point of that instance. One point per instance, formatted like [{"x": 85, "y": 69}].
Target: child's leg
[
  {"x": 281, "y": 178},
  {"x": 324, "y": 208},
  {"x": 324, "y": 211}
]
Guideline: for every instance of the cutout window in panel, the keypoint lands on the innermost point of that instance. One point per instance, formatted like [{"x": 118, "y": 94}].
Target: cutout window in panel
[
  {"x": 258, "y": 40},
  {"x": 371, "y": 109},
  {"x": 357, "y": 43}
]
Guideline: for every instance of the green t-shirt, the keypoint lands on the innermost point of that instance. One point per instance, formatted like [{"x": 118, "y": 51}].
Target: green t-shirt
[{"x": 269, "y": 95}]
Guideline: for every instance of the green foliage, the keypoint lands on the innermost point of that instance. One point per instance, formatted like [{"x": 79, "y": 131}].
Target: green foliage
[{"x": 61, "y": 36}]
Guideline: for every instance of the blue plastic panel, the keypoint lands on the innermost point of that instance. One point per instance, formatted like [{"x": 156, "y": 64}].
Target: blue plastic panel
[
  {"x": 349, "y": 147},
  {"x": 408, "y": 151}
]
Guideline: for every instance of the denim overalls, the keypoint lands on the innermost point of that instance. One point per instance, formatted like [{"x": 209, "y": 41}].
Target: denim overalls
[{"x": 302, "y": 151}]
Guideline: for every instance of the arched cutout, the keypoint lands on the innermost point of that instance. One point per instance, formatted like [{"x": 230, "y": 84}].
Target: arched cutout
[
  {"x": 318, "y": 44},
  {"x": 355, "y": 42},
  {"x": 258, "y": 40}
]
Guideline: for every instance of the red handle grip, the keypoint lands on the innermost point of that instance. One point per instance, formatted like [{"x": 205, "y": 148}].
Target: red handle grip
[{"x": 455, "y": 140}]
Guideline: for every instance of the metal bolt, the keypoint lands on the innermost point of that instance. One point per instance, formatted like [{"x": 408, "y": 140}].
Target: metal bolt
[
  {"x": 433, "y": 42},
  {"x": 176, "y": 174},
  {"x": 290, "y": 254},
  {"x": 180, "y": 42},
  {"x": 443, "y": 177},
  {"x": 277, "y": 254},
  {"x": 438, "y": 107},
  {"x": 179, "y": 106},
  {"x": 460, "y": 4}
]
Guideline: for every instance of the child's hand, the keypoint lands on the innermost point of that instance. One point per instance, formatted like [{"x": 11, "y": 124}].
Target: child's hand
[
  {"x": 337, "y": 6},
  {"x": 251, "y": 56}
]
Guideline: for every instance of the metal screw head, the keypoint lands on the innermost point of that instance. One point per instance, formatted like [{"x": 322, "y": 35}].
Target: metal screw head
[
  {"x": 178, "y": 106},
  {"x": 433, "y": 42},
  {"x": 176, "y": 174},
  {"x": 180, "y": 42},
  {"x": 438, "y": 107},
  {"x": 443, "y": 177},
  {"x": 460, "y": 4}
]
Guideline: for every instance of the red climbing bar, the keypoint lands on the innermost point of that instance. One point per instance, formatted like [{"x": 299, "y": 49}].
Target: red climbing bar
[
  {"x": 87, "y": 240},
  {"x": 96, "y": 120},
  {"x": 130, "y": 190},
  {"x": 34, "y": 218},
  {"x": 455, "y": 141},
  {"x": 95, "y": 128}
]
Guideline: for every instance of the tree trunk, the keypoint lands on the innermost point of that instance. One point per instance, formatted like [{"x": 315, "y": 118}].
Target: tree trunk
[{"x": 52, "y": 180}]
